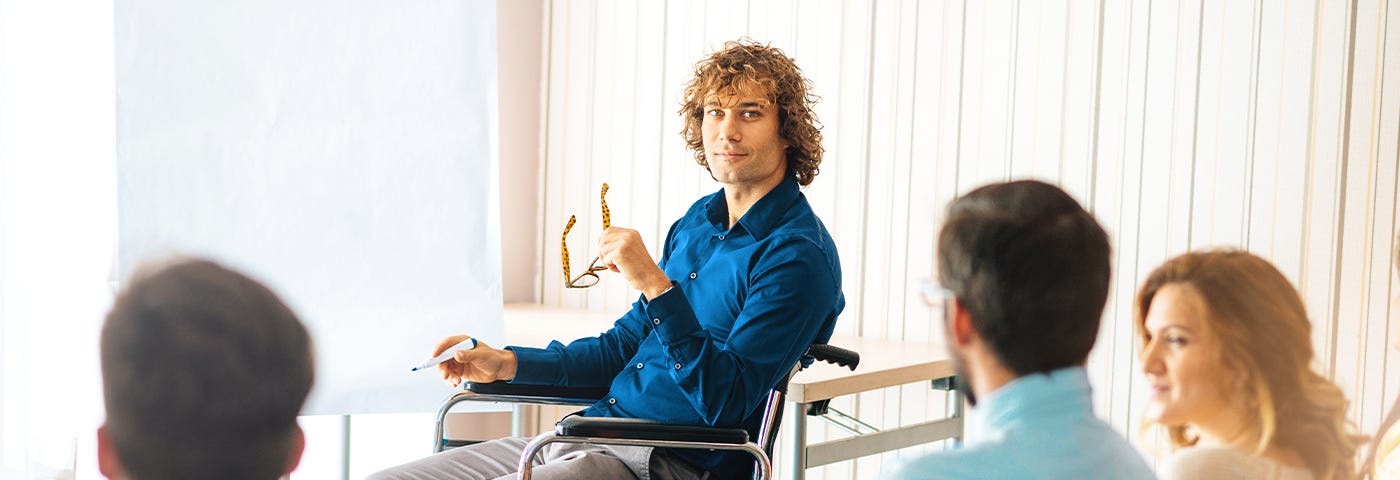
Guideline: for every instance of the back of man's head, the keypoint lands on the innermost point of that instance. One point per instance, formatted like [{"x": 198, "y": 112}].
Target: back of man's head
[
  {"x": 203, "y": 372},
  {"x": 1031, "y": 268}
]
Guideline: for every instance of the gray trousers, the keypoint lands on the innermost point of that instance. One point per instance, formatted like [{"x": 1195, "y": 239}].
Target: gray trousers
[{"x": 497, "y": 459}]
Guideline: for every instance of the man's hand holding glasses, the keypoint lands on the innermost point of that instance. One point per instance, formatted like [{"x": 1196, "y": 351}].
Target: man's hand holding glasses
[{"x": 620, "y": 250}]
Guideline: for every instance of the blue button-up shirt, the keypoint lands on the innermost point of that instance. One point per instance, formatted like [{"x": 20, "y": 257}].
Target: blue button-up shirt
[
  {"x": 1036, "y": 426},
  {"x": 747, "y": 301}
]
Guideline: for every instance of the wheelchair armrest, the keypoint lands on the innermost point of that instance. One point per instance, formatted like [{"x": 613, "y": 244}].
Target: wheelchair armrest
[
  {"x": 834, "y": 354},
  {"x": 639, "y": 429},
  {"x": 583, "y": 395}
]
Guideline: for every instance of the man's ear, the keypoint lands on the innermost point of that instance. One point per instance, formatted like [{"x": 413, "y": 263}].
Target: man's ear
[
  {"x": 107, "y": 461},
  {"x": 961, "y": 332},
  {"x": 298, "y": 447}
]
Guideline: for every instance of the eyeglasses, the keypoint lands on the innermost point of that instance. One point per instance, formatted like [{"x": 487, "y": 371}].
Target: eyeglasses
[
  {"x": 587, "y": 278},
  {"x": 938, "y": 298}
]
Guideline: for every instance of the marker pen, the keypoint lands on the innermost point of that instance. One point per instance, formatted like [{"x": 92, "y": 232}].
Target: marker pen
[{"x": 467, "y": 344}]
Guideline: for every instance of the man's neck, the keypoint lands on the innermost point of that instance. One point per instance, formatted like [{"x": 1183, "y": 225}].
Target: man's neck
[
  {"x": 740, "y": 198},
  {"x": 987, "y": 373}
]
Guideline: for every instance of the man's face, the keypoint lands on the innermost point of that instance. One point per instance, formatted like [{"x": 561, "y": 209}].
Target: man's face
[
  {"x": 740, "y": 134},
  {"x": 964, "y": 376},
  {"x": 945, "y": 307}
]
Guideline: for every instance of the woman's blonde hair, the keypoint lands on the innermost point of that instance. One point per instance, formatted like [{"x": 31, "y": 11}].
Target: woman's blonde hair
[{"x": 1261, "y": 326}]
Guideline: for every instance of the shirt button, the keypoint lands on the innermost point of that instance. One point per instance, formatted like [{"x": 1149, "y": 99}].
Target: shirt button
[
  {"x": 692, "y": 275},
  {"x": 612, "y": 401},
  {"x": 721, "y": 237},
  {"x": 678, "y": 366},
  {"x": 656, "y": 321},
  {"x": 639, "y": 365}
]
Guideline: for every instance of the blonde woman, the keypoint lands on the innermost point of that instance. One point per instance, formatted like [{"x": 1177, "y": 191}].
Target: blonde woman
[{"x": 1226, "y": 348}]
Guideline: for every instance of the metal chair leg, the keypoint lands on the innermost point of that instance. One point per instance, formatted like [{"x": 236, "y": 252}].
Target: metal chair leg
[
  {"x": 439, "y": 442},
  {"x": 533, "y": 448}
]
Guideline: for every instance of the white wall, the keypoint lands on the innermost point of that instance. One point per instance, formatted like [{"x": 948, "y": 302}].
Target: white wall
[
  {"x": 519, "y": 61},
  {"x": 57, "y": 202},
  {"x": 1179, "y": 124}
]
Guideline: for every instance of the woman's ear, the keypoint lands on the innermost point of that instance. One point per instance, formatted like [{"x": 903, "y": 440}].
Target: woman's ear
[{"x": 1234, "y": 381}]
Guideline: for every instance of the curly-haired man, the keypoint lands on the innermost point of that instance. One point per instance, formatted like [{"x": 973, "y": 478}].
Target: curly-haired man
[{"x": 747, "y": 279}]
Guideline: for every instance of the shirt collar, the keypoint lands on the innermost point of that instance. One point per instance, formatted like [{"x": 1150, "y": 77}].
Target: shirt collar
[
  {"x": 1058, "y": 393},
  {"x": 760, "y": 220}
]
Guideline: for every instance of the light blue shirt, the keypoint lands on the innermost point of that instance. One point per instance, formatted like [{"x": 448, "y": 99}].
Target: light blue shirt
[{"x": 1037, "y": 426}]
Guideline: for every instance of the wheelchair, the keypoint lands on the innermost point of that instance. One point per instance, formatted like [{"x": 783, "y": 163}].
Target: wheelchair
[{"x": 639, "y": 432}]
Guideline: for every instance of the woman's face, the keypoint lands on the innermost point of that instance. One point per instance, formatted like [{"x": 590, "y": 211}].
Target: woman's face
[{"x": 1181, "y": 362}]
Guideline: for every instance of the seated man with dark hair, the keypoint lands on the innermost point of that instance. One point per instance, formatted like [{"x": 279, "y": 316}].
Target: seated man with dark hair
[
  {"x": 203, "y": 372},
  {"x": 1024, "y": 274}
]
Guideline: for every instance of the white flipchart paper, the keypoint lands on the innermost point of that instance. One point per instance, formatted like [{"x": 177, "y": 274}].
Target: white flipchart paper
[{"x": 341, "y": 152}]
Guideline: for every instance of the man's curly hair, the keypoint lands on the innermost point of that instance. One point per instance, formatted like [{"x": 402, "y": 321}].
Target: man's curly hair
[{"x": 746, "y": 64}]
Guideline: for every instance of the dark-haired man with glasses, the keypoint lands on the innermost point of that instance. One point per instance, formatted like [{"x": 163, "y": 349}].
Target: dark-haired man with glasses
[
  {"x": 1023, "y": 274},
  {"x": 747, "y": 279}
]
